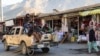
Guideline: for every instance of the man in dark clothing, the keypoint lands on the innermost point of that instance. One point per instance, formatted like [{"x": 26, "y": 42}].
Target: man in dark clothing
[
  {"x": 46, "y": 29},
  {"x": 25, "y": 23},
  {"x": 26, "y": 19},
  {"x": 36, "y": 27},
  {"x": 92, "y": 41},
  {"x": 80, "y": 32},
  {"x": 92, "y": 35},
  {"x": 36, "y": 31}
]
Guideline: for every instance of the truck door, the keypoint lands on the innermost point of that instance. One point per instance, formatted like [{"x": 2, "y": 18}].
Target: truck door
[
  {"x": 16, "y": 37},
  {"x": 10, "y": 36}
]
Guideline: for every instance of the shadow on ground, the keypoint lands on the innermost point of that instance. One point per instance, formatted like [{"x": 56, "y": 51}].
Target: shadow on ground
[{"x": 81, "y": 51}]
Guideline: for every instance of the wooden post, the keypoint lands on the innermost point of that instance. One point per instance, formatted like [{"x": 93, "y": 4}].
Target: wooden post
[
  {"x": 20, "y": 21},
  {"x": 98, "y": 19},
  {"x": 52, "y": 25}
]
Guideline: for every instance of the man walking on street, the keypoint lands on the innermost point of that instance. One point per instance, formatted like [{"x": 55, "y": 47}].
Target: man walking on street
[{"x": 92, "y": 40}]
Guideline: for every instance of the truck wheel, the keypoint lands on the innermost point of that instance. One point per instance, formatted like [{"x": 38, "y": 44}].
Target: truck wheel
[
  {"x": 45, "y": 50},
  {"x": 30, "y": 52},
  {"x": 6, "y": 47},
  {"x": 23, "y": 48}
]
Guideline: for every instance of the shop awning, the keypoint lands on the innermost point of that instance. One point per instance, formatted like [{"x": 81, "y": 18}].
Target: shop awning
[
  {"x": 91, "y": 12},
  {"x": 85, "y": 13},
  {"x": 96, "y": 11}
]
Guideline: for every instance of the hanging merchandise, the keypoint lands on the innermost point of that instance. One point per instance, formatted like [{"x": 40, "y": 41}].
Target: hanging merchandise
[{"x": 93, "y": 23}]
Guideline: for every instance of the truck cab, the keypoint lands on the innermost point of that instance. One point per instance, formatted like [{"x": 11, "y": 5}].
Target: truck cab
[{"x": 17, "y": 37}]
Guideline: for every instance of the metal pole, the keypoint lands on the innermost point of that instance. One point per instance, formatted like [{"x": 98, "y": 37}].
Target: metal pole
[
  {"x": 78, "y": 25},
  {"x": 1, "y": 12}
]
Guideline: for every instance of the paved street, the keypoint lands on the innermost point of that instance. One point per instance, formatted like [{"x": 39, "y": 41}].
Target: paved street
[{"x": 68, "y": 49}]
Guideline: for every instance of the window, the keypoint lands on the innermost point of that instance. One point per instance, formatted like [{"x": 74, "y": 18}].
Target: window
[
  {"x": 17, "y": 30},
  {"x": 23, "y": 31},
  {"x": 12, "y": 31}
]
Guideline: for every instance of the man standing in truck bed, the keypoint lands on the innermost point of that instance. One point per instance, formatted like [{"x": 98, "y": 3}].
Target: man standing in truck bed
[
  {"x": 25, "y": 22},
  {"x": 35, "y": 30}
]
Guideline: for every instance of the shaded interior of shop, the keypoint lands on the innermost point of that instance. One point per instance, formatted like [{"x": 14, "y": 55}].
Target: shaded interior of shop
[
  {"x": 74, "y": 24},
  {"x": 54, "y": 23}
]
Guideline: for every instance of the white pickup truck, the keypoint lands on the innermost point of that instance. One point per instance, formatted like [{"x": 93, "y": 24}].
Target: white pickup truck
[{"x": 17, "y": 37}]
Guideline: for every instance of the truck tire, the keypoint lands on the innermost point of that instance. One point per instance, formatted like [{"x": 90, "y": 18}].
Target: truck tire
[
  {"x": 30, "y": 52},
  {"x": 23, "y": 48},
  {"x": 6, "y": 47},
  {"x": 45, "y": 50}
]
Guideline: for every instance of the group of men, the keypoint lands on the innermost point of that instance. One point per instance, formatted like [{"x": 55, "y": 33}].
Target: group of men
[{"x": 32, "y": 28}]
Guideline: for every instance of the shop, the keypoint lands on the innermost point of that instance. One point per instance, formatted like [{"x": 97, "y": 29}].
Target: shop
[
  {"x": 93, "y": 15},
  {"x": 84, "y": 22},
  {"x": 52, "y": 21},
  {"x": 75, "y": 25}
]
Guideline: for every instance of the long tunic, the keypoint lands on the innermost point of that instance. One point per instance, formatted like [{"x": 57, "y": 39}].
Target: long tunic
[{"x": 92, "y": 35}]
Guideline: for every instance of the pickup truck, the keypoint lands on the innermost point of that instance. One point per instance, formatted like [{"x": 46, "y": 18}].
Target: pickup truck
[{"x": 17, "y": 37}]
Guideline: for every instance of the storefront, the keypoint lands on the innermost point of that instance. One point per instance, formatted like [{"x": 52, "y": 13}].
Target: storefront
[
  {"x": 73, "y": 24},
  {"x": 52, "y": 21},
  {"x": 94, "y": 15},
  {"x": 84, "y": 22}
]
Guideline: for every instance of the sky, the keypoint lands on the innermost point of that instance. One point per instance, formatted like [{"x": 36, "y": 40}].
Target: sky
[
  {"x": 49, "y": 5},
  {"x": 9, "y": 2},
  {"x": 43, "y": 6}
]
